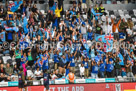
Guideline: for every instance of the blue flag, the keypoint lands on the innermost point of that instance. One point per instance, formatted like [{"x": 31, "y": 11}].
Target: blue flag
[
  {"x": 108, "y": 39},
  {"x": 25, "y": 25},
  {"x": 96, "y": 14},
  {"x": 12, "y": 29},
  {"x": 121, "y": 58},
  {"x": 3, "y": 36},
  {"x": 15, "y": 5}
]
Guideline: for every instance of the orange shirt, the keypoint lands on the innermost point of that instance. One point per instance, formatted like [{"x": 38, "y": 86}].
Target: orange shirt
[{"x": 114, "y": 26}]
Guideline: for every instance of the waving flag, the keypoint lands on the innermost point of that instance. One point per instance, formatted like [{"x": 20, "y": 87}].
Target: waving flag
[
  {"x": 97, "y": 15},
  {"x": 121, "y": 58},
  {"x": 12, "y": 29},
  {"x": 25, "y": 25},
  {"x": 15, "y": 5},
  {"x": 107, "y": 39},
  {"x": 2, "y": 36}
]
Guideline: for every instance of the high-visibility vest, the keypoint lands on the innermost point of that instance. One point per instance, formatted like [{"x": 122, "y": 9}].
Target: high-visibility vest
[{"x": 71, "y": 76}]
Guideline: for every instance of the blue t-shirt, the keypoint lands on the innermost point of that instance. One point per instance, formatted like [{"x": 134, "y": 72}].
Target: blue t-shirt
[
  {"x": 83, "y": 1},
  {"x": 56, "y": 60},
  {"x": 95, "y": 69},
  {"x": 10, "y": 36},
  {"x": 85, "y": 64},
  {"x": 109, "y": 67},
  {"x": 45, "y": 64},
  {"x": 90, "y": 36},
  {"x": 25, "y": 59},
  {"x": 67, "y": 58},
  {"x": 72, "y": 64},
  {"x": 67, "y": 72},
  {"x": 102, "y": 67}
]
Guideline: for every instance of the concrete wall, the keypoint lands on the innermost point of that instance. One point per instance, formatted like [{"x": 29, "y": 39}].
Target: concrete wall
[{"x": 111, "y": 6}]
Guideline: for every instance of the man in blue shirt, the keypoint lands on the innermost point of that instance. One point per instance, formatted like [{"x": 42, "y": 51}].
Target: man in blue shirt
[
  {"x": 102, "y": 69},
  {"x": 72, "y": 61},
  {"x": 56, "y": 60},
  {"x": 94, "y": 72},
  {"x": 109, "y": 68},
  {"x": 45, "y": 63}
]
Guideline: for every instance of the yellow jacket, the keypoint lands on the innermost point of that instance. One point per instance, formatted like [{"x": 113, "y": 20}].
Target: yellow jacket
[{"x": 57, "y": 12}]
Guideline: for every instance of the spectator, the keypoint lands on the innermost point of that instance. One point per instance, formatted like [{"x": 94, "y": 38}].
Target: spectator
[
  {"x": 102, "y": 9},
  {"x": 72, "y": 61},
  {"x": 94, "y": 72},
  {"x": 129, "y": 71},
  {"x": 102, "y": 69},
  {"x": 123, "y": 26},
  {"x": 117, "y": 67},
  {"x": 133, "y": 69},
  {"x": 15, "y": 70},
  {"x": 9, "y": 70},
  {"x": 71, "y": 77},
  {"x": 84, "y": 6},
  {"x": 53, "y": 76},
  {"x": 115, "y": 28},
  {"x": 85, "y": 62},
  {"x": 18, "y": 57},
  {"x": 30, "y": 81},
  {"x": 2, "y": 77},
  {"x": 82, "y": 70},
  {"x": 38, "y": 74},
  {"x": 109, "y": 68},
  {"x": 2, "y": 69},
  {"x": 130, "y": 24}
]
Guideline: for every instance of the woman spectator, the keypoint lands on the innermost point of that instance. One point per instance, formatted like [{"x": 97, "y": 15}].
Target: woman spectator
[
  {"x": 2, "y": 69},
  {"x": 130, "y": 24},
  {"x": 15, "y": 70}
]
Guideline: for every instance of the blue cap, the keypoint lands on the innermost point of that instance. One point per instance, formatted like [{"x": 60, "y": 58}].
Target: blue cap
[{"x": 83, "y": 23}]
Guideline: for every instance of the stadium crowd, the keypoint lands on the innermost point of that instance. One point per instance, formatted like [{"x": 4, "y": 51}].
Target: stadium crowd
[{"x": 65, "y": 38}]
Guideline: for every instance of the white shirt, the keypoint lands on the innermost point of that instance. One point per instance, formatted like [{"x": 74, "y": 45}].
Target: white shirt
[
  {"x": 116, "y": 30},
  {"x": 82, "y": 69},
  {"x": 37, "y": 73},
  {"x": 109, "y": 29},
  {"x": 54, "y": 77}
]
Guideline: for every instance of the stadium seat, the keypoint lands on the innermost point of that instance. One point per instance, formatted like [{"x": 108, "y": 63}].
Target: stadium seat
[
  {"x": 36, "y": 82},
  {"x": 7, "y": 54},
  {"x": 126, "y": 12},
  {"x": 120, "y": 79},
  {"x": 111, "y": 13},
  {"x": 125, "y": 78},
  {"x": 131, "y": 12},
  {"x": 5, "y": 58}
]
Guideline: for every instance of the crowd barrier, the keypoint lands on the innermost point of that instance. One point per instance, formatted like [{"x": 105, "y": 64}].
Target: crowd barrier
[
  {"x": 80, "y": 87},
  {"x": 62, "y": 81}
]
